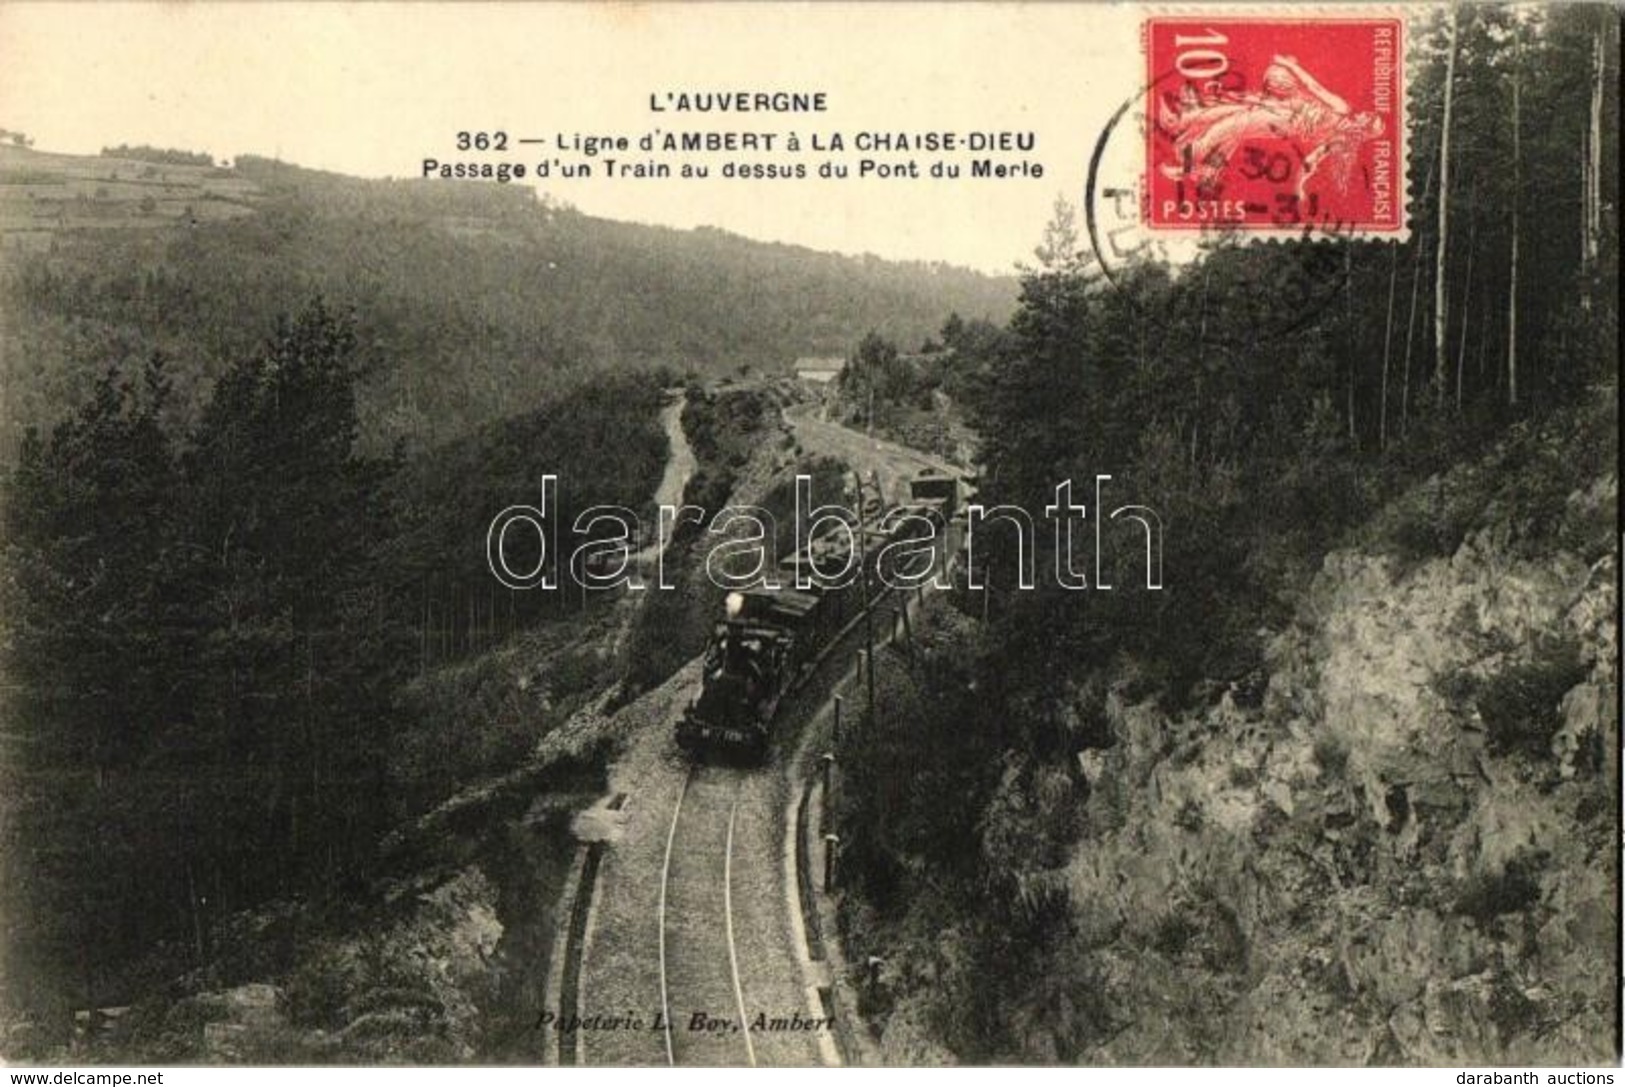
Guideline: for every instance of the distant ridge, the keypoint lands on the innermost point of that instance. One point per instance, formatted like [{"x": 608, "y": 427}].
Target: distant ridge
[{"x": 474, "y": 301}]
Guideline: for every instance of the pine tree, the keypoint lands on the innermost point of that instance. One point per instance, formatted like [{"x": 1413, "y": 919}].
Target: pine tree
[{"x": 1441, "y": 288}]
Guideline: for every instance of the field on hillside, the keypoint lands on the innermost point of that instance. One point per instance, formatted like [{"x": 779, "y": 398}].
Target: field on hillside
[{"x": 41, "y": 193}]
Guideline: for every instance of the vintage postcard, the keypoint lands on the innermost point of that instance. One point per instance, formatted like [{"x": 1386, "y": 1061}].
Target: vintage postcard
[{"x": 780, "y": 535}]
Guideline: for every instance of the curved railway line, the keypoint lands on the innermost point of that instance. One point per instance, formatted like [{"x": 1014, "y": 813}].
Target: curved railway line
[
  {"x": 699, "y": 958},
  {"x": 708, "y": 965},
  {"x": 718, "y": 919}
]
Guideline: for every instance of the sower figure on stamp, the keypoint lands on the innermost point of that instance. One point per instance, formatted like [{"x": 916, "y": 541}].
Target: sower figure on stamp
[{"x": 1292, "y": 105}]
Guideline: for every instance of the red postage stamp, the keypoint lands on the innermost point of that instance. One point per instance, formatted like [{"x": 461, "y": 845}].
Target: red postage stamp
[{"x": 1278, "y": 125}]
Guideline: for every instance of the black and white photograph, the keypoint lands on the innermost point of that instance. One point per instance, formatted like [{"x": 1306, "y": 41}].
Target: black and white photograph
[{"x": 777, "y": 535}]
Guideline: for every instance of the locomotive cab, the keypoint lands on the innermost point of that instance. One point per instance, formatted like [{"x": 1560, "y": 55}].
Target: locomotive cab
[
  {"x": 769, "y": 639},
  {"x": 750, "y": 662}
]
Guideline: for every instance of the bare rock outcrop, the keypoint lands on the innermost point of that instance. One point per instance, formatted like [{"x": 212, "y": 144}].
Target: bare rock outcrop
[{"x": 1403, "y": 854}]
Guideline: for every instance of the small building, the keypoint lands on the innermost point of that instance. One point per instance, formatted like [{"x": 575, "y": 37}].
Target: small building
[{"x": 821, "y": 370}]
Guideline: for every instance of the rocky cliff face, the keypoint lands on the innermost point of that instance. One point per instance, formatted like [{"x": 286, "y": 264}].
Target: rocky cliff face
[{"x": 1396, "y": 847}]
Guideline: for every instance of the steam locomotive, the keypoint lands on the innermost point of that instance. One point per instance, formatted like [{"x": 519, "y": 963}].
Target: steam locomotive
[{"x": 769, "y": 639}]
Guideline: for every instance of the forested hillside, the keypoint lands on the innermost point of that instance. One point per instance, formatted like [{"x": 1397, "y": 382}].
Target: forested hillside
[
  {"x": 471, "y": 301},
  {"x": 1364, "y": 718},
  {"x": 209, "y": 635}
]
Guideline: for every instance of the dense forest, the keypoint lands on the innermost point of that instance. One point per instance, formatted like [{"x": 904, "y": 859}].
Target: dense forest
[
  {"x": 208, "y": 631},
  {"x": 1267, "y": 402},
  {"x": 471, "y": 301}
]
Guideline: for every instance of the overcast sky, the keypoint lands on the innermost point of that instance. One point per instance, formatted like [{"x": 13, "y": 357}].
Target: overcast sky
[{"x": 373, "y": 89}]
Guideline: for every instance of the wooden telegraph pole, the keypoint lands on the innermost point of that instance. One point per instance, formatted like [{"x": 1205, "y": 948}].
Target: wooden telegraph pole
[{"x": 868, "y": 611}]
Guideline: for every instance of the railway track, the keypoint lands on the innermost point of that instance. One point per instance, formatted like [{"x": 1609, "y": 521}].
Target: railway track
[
  {"x": 702, "y": 998},
  {"x": 703, "y": 961},
  {"x": 700, "y": 961}
]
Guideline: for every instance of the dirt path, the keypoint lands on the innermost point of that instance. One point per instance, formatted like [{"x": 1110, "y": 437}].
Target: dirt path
[{"x": 680, "y": 465}]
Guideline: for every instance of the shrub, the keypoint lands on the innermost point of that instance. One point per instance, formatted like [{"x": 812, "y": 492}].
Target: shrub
[
  {"x": 1513, "y": 889},
  {"x": 1189, "y": 816},
  {"x": 317, "y": 992},
  {"x": 1511, "y": 1011},
  {"x": 1173, "y": 933},
  {"x": 1242, "y": 777},
  {"x": 1331, "y": 754},
  {"x": 709, "y": 489},
  {"x": 1520, "y": 705}
]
